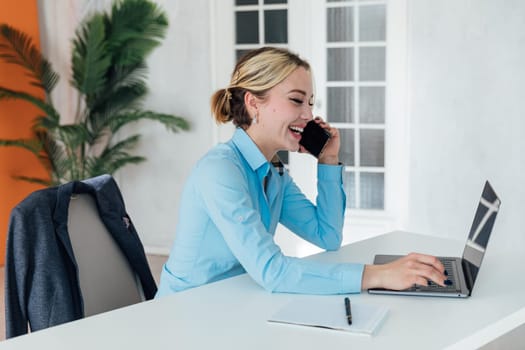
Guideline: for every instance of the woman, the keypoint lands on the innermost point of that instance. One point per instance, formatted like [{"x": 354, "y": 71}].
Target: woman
[{"x": 238, "y": 193}]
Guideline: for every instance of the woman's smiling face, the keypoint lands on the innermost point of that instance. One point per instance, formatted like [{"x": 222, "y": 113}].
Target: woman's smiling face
[{"x": 283, "y": 114}]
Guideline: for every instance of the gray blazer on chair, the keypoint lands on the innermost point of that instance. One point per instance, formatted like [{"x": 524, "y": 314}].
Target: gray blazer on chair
[{"x": 41, "y": 274}]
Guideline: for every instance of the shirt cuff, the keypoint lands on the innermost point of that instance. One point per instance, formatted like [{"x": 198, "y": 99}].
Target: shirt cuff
[
  {"x": 353, "y": 277},
  {"x": 330, "y": 172}
]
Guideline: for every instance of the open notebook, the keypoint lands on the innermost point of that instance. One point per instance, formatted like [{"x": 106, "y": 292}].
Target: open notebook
[{"x": 329, "y": 312}]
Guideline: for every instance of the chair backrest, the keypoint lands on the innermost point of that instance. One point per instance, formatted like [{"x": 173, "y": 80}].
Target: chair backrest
[{"x": 106, "y": 280}]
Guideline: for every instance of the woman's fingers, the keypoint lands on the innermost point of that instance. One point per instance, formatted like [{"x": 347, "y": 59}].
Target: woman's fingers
[
  {"x": 428, "y": 260},
  {"x": 405, "y": 272},
  {"x": 425, "y": 268},
  {"x": 428, "y": 267}
]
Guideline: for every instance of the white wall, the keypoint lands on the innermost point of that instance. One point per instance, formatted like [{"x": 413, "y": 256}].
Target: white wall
[
  {"x": 180, "y": 83},
  {"x": 466, "y": 74}
]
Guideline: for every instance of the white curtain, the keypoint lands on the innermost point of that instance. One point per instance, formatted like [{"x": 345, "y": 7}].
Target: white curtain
[{"x": 58, "y": 21}]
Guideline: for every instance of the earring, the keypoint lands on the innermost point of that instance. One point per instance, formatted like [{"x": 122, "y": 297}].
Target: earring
[{"x": 254, "y": 119}]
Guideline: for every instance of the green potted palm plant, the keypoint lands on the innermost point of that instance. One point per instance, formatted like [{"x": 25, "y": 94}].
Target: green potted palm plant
[{"x": 109, "y": 71}]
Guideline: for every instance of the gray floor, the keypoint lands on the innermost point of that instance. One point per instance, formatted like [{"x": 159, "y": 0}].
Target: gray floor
[{"x": 155, "y": 262}]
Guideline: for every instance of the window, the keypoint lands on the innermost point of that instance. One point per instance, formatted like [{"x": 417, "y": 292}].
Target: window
[
  {"x": 355, "y": 95},
  {"x": 259, "y": 23}
]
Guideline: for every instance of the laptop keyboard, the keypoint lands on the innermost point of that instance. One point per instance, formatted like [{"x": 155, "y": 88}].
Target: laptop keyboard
[{"x": 452, "y": 287}]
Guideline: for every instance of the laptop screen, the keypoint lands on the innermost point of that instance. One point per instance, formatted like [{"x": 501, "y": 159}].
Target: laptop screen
[{"x": 480, "y": 233}]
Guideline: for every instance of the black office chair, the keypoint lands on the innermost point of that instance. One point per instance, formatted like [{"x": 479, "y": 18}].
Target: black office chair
[{"x": 72, "y": 251}]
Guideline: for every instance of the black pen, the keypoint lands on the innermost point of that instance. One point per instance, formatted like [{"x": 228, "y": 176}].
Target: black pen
[{"x": 348, "y": 311}]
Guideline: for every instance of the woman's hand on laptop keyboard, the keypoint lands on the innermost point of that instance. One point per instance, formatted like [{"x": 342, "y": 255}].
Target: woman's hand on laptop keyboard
[{"x": 412, "y": 269}]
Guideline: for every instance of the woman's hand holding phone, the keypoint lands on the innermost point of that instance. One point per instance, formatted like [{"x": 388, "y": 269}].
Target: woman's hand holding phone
[{"x": 321, "y": 140}]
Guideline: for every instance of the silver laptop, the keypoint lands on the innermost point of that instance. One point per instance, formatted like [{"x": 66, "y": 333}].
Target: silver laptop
[{"x": 462, "y": 272}]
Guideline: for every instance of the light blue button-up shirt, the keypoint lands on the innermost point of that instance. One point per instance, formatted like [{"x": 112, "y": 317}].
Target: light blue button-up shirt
[{"x": 227, "y": 224}]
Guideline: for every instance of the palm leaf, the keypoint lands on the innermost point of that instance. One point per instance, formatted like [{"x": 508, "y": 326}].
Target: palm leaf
[
  {"x": 122, "y": 98},
  {"x": 120, "y": 147},
  {"x": 53, "y": 158},
  {"x": 18, "y": 48},
  {"x": 115, "y": 155},
  {"x": 171, "y": 122},
  {"x": 34, "y": 180},
  {"x": 90, "y": 61},
  {"x": 46, "y": 123},
  {"x": 136, "y": 29},
  {"x": 75, "y": 140},
  {"x": 45, "y": 107},
  {"x": 128, "y": 96},
  {"x": 125, "y": 90},
  {"x": 122, "y": 160},
  {"x": 74, "y": 135},
  {"x": 32, "y": 145}
]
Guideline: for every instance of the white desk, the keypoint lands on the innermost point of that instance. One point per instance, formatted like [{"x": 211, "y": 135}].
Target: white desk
[{"x": 232, "y": 314}]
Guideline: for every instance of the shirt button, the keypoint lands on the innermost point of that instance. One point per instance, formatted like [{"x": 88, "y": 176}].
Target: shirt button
[{"x": 240, "y": 218}]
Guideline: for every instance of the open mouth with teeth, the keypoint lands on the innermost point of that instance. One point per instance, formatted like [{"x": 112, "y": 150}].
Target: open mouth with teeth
[{"x": 296, "y": 130}]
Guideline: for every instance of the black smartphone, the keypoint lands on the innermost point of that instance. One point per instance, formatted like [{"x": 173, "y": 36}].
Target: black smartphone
[{"x": 314, "y": 138}]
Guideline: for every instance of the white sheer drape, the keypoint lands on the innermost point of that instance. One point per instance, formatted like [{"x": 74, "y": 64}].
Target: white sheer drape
[{"x": 58, "y": 21}]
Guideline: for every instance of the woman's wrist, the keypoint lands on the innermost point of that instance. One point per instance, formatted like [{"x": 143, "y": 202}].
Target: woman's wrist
[
  {"x": 371, "y": 277},
  {"x": 329, "y": 160}
]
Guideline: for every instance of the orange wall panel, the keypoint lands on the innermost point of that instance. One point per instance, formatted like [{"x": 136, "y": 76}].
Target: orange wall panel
[{"x": 16, "y": 118}]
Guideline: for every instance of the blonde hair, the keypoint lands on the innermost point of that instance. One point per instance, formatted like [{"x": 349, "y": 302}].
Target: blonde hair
[{"x": 257, "y": 72}]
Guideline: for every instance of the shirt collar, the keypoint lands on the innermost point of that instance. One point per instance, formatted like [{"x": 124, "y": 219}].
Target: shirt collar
[{"x": 250, "y": 151}]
